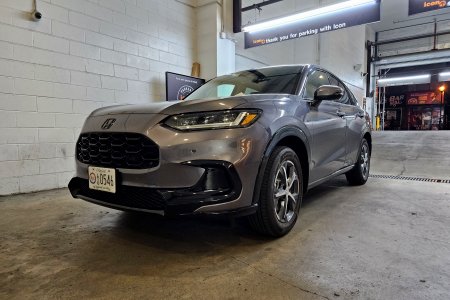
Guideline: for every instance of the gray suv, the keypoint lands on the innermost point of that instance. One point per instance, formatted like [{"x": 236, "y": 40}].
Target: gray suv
[{"x": 246, "y": 144}]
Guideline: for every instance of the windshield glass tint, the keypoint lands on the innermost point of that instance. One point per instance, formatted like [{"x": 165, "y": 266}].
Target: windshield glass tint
[{"x": 263, "y": 81}]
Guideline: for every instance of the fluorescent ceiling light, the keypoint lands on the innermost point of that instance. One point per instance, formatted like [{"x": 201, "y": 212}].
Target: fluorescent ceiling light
[
  {"x": 444, "y": 74},
  {"x": 408, "y": 78},
  {"x": 307, "y": 14}
]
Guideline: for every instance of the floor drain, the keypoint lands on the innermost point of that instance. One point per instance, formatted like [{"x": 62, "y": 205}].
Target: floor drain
[{"x": 410, "y": 178}]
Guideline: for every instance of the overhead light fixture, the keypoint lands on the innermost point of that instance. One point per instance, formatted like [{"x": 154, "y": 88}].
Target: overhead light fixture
[
  {"x": 417, "y": 79},
  {"x": 305, "y": 15},
  {"x": 444, "y": 74}
]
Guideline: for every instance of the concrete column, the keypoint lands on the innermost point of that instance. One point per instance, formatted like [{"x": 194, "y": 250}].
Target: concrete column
[{"x": 216, "y": 53}]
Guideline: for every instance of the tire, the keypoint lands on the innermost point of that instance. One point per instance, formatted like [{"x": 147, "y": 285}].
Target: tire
[
  {"x": 278, "y": 206},
  {"x": 360, "y": 172}
]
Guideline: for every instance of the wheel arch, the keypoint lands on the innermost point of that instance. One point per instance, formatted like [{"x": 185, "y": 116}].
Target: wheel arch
[{"x": 293, "y": 138}]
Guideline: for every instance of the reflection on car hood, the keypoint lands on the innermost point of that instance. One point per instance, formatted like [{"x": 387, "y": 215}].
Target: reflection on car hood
[{"x": 179, "y": 107}]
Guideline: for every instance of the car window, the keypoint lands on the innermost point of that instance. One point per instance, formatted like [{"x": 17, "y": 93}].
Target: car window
[
  {"x": 261, "y": 81},
  {"x": 315, "y": 80}
]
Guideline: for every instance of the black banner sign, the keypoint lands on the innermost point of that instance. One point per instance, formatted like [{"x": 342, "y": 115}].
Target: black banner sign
[
  {"x": 180, "y": 86},
  {"x": 420, "y": 6},
  {"x": 354, "y": 16}
]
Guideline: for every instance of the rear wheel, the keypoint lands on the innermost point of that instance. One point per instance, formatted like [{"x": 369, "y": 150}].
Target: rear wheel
[
  {"x": 281, "y": 194},
  {"x": 360, "y": 172}
]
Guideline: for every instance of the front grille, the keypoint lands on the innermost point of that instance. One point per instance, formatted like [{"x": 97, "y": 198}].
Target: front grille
[
  {"x": 128, "y": 196},
  {"x": 117, "y": 150}
]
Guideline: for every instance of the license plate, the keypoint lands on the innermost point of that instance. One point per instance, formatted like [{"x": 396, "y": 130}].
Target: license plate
[{"x": 102, "y": 179}]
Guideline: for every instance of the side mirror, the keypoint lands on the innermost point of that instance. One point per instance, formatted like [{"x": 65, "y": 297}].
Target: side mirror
[{"x": 327, "y": 92}]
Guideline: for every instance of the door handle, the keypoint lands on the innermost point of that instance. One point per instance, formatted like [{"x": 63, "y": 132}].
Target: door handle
[{"x": 340, "y": 113}]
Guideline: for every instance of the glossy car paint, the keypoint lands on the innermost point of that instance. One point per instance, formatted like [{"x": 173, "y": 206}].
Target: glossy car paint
[{"x": 331, "y": 133}]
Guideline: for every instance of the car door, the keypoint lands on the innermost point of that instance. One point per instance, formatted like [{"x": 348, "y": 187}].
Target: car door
[
  {"x": 355, "y": 117},
  {"x": 328, "y": 129}
]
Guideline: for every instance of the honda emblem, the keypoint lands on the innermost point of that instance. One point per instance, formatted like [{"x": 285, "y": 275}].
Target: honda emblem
[{"x": 108, "y": 123}]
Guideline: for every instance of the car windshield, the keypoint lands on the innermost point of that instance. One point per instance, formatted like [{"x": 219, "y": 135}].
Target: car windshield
[{"x": 262, "y": 81}]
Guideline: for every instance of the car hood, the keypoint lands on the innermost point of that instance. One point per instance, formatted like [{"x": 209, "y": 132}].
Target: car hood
[
  {"x": 171, "y": 107},
  {"x": 179, "y": 107}
]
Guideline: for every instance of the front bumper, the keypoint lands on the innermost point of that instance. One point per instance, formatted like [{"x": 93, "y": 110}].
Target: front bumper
[
  {"x": 219, "y": 184},
  {"x": 203, "y": 172}
]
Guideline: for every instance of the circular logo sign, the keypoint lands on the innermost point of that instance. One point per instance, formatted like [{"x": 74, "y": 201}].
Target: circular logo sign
[
  {"x": 184, "y": 91},
  {"x": 92, "y": 178}
]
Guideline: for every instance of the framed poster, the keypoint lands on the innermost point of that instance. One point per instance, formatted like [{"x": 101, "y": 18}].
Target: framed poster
[{"x": 179, "y": 86}]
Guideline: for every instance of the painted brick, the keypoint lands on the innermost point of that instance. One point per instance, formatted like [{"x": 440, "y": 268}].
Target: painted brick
[
  {"x": 44, "y": 57},
  {"x": 34, "y": 119},
  {"x": 9, "y": 186},
  {"x": 18, "y": 168},
  {"x": 52, "y": 74},
  {"x": 148, "y": 52},
  {"x": 83, "y": 21},
  {"x": 85, "y": 107},
  {"x": 98, "y": 67},
  {"x": 56, "y": 135},
  {"x": 78, "y": 5},
  {"x": 16, "y": 69},
  {"x": 68, "y": 31},
  {"x": 126, "y": 72},
  {"x": 33, "y": 87},
  {"x": 69, "y": 120},
  {"x": 83, "y": 50},
  {"x": 114, "y": 83},
  {"x": 6, "y": 50},
  {"x": 125, "y": 21},
  {"x": 45, "y": 104},
  {"x": 148, "y": 76},
  {"x": 45, "y": 41},
  {"x": 69, "y": 91},
  {"x": 113, "y": 57},
  {"x": 6, "y": 15},
  {"x": 38, "y": 182},
  {"x": 136, "y": 37},
  {"x": 149, "y": 29},
  {"x": 100, "y": 40},
  {"x": 116, "y": 5},
  {"x": 112, "y": 30},
  {"x": 18, "y": 135},
  {"x": 159, "y": 44},
  {"x": 6, "y": 84},
  {"x": 64, "y": 179},
  {"x": 54, "y": 12},
  {"x": 169, "y": 58},
  {"x": 17, "y": 102},
  {"x": 127, "y": 47},
  {"x": 37, "y": 151},
  {"x": 66, "y": 150},
  {"x": 137, "y": 12},
  {"x": 9, "y": 152},
  {"x": 53, "y": 165},
  {"x": 138, "y": 87},
  {"x": 85, "y": 79},
  {"x": 15, "y": 35},
  {"x": 45, "y": 25},
  {"x": 158, "y": 66},
  {"x": 103, "y": 95},
  {"x": 138, "y": 62},
  {"x": 98, "y": 12}
]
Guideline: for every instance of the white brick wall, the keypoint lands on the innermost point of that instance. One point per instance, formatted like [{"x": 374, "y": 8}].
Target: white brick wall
[{"x": 83, "y": 54}]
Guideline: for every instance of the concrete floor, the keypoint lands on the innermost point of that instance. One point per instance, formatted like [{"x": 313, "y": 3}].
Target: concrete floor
[{"x": 389, "y": 239}]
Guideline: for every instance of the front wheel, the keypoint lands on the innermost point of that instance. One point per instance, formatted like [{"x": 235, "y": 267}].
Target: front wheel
[
  {"x": 281, "y": 194},
  {"x": 360, "y": 172}
]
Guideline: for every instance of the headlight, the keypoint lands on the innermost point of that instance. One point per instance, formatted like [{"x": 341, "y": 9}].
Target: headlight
[{"x": 213, "y": 120}]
